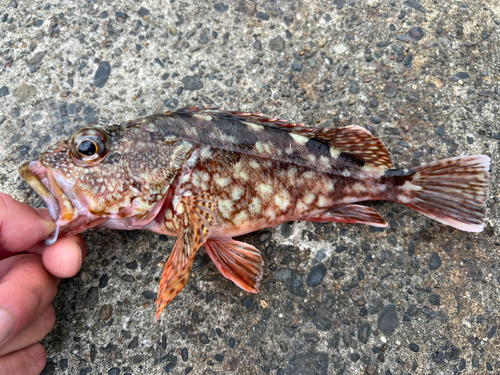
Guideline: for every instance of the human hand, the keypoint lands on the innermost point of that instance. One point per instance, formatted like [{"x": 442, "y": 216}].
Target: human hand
[{"x": 29, "y": 276}]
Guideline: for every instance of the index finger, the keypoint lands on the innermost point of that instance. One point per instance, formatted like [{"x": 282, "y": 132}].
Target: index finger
[{"x": 21, "y": 227}]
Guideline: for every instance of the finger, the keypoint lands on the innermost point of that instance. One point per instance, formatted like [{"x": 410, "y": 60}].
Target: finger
[
  {"x": 44, "y": 213},
  {"x": 33, "y": 333},
  {"x": 27, "y": 361},
  {"x": 64, "y": 258},
  {"x": 21, "y": 227},
  {"x": 26, "y": 289}
]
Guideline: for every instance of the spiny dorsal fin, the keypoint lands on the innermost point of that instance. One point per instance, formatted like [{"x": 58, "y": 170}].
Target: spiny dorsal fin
[
  {"x": 352, "y": 139},
  {"x": 255, "y": 118}
]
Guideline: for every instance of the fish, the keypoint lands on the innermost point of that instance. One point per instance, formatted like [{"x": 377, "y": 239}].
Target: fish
[{"x": 208, "y": 175}]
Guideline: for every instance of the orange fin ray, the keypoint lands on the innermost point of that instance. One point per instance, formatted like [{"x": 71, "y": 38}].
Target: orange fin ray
[
  {"x": 351, "y": 213},
  {"x": 239, "y": 262},
  {"x": 173, "y": 280},
  {"x": 193, "y": 222},
  {"x": 452, "y": 191}
]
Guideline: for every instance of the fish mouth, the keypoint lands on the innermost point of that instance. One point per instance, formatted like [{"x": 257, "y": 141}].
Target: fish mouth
[{"x": 60, "y": 208}]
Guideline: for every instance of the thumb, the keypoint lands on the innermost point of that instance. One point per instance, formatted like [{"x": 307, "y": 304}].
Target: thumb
[{"x": 21, "y": 227}]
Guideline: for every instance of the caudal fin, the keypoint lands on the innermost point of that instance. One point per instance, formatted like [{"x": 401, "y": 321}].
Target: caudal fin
[{"x": 452, "y": 191}]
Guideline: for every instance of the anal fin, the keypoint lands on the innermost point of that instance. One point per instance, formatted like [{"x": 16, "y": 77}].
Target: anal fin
[
  {"x": 351, "y": 213},
  {"x": 239, "y": 262}
]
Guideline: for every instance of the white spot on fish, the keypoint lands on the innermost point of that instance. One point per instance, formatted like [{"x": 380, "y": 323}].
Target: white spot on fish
[
  {"x": 346, "y": 173},
  {"x": 263, "y": 148},
  {"x": 270, "y": 213},
  {"x": 309, "y": 198},
  {"x": 292, "y": 172},
  {"x": 255, "y": 127},
  {"x": 311, "y": 158},
  {"x": 237, "y": 192},
  {"x": 301, "y": 207},
  {"x": 360, "y": 188},
  {"x": 226, "y": 208},
  {"x": 300, "y": 139},
  {"x": 373, "y": 169},
  {"x": 264, "y": 190},
  {"x": 334, "y": 152},
  {"x": 328, "y": 185},
  {"x": 239, "y": 171},
  {"x": 282, "y": 200},
  {"x": 403, "y": 199},
  {"x": 206, "y": 153},
  {"x": 309, "y": 175},
  {"x": 323, "y": 201},
  {"x": 255, "y": 206},
  {"x": 254, "y": 164},
  {"x": 240, "y": 218},
  {"x": 238, "y": 166},
  {"x": 324, "y": 160},
  {"x": 408, "y": 186},
  {"x": 191, "y": 131},
  {"x": 202, "y": 116},
  {"x": 205, "y": 176},
  {"x": 223, "y": 181}
]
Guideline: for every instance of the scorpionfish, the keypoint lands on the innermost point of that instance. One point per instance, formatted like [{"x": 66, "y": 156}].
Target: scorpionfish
[{"x": 208, "y": 175}]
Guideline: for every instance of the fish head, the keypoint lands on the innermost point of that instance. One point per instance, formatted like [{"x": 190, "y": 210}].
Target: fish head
[{"x": 112, "y": 176}]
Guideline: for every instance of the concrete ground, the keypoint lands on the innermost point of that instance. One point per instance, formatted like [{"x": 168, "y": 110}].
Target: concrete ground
[{"x": 415, "y": 298}]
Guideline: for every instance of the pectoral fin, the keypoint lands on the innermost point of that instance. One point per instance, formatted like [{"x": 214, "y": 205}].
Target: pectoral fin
[
  {"x": 192, "y": 217},
  {"x": 351, "y": 213},
  {"x": 239, "y": 262}
]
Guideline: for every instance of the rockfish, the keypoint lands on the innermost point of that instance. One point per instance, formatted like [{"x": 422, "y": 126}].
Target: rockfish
[{"x": 208, "y": 175}]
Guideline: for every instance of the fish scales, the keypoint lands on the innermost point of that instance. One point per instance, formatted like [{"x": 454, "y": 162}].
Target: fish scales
[
  {"x": 237, "y": 135},
  {"x": 267, "y": 190},
  {"x": 208, "y": 175}
]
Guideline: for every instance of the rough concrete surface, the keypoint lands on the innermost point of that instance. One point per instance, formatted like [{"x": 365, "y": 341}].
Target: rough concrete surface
[{"x": 415, "y": 298}]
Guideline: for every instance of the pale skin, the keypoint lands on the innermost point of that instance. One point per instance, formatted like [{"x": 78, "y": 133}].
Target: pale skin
[{"x": 29, "y": 275}]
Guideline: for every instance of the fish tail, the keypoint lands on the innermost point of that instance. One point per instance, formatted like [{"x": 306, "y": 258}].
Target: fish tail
[{"x": 452, "y": 191}]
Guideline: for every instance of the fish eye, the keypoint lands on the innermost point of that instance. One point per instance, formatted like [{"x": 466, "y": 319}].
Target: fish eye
[{"x": 87, "y": 148}]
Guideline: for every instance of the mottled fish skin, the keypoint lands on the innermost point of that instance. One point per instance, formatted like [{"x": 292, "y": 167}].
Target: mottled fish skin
[{"x": 208, "y": 175}]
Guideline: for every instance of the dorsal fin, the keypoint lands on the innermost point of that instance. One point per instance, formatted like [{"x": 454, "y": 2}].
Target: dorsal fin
[
  {"x": 254, "y": 118},
  {"x": 352, "y": 139},
  {"x": 356, "y": 141}
]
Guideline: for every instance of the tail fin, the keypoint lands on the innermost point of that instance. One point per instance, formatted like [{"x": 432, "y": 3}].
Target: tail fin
[{"x": 452, "y": 191}]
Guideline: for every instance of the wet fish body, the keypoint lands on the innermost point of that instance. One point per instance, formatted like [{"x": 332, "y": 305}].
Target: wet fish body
[{"x": 208, "y": 175}]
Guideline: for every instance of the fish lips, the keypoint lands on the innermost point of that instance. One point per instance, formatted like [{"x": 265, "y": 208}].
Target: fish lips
[{"x": 60, "y": 208}]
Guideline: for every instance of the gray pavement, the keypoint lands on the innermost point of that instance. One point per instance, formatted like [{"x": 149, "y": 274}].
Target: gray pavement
[{"x": 415, "y": 298}]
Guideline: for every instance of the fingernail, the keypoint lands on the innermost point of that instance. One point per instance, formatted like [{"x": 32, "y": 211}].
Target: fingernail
[
  {"x": 50, "y": 226},
  {"x": 80, "y": 254},
  {"x": 6, "y": 325}
]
